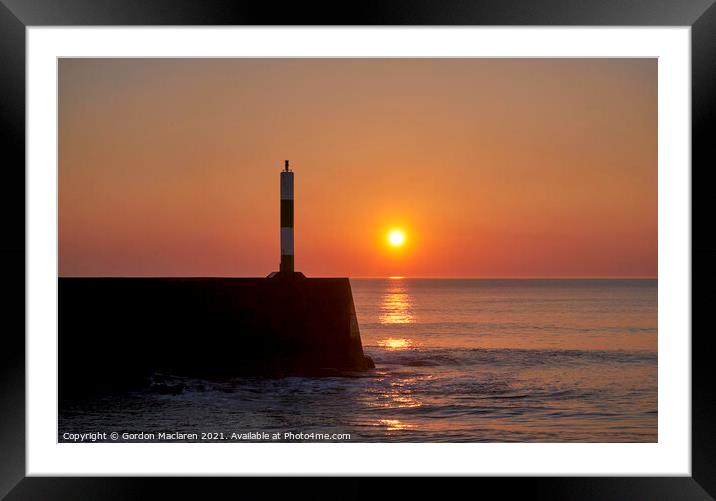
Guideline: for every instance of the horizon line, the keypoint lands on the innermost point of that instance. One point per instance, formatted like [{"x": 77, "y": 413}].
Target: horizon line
[{"x": 391, "y": 277}]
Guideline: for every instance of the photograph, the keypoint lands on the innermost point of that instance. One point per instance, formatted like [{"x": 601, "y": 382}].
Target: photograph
[{"x": 357, "y": 250}]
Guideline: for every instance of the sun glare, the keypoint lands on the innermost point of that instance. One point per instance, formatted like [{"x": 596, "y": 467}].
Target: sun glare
[
  {"x": 395, "y": 344},
  {"x": 396, "y": 238}
]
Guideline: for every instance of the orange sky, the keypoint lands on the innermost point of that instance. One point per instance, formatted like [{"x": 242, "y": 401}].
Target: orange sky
[{"x": 493, "y": 167}]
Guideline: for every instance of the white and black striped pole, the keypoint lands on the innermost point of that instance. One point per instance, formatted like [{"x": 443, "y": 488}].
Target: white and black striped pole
[{"x": 286, "y": 220}]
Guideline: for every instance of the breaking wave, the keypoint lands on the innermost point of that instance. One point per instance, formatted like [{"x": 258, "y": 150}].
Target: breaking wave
[{"x": 433, "y": 357}]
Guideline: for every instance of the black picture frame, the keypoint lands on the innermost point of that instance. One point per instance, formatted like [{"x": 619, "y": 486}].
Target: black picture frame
[{"x": 16, "y": 15}]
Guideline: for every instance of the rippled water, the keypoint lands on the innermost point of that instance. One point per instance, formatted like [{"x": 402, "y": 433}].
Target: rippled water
[{"x": 456, "y": 360}]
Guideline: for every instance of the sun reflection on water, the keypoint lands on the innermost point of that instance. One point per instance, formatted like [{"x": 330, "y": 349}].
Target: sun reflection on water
[
  {"x": 404, "y": 402},
  {"x": 394, "y": 424},
  {"x": 396, "y": 304},
  {"x": 395, "y": 344}
]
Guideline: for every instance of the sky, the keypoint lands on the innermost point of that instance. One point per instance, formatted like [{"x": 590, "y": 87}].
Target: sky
[{"x": 491, "y": 167}]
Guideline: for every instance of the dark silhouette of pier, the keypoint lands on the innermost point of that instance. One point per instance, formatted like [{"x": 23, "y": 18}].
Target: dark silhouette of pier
[{"x": 115, "y": 332}]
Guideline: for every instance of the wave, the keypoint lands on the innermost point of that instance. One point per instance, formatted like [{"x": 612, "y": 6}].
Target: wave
[
  {"x": 433, "y": 357},
  {"x": 477, "y": 328}
]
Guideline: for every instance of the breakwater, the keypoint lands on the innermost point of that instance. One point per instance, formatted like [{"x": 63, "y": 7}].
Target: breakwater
[{"x": 116, "y": 332}]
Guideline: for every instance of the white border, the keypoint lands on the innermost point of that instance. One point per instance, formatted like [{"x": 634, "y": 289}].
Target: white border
[{"x": 670, "y": 456}]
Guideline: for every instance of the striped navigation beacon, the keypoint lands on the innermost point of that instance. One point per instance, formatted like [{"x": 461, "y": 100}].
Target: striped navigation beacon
[
  {"x": 286, "y": 269},
  {"x": 286, "y": 220}
]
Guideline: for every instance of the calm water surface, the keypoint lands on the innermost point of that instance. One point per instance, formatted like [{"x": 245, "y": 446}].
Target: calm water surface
[{"x": 456, "y": 360}]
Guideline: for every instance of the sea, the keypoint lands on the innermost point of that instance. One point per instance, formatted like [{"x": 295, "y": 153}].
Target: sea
[{"x": 457, "y": 360}]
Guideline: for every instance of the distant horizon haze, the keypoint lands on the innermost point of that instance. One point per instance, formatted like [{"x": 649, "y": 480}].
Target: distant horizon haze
[{"x": 373, "y": 277}]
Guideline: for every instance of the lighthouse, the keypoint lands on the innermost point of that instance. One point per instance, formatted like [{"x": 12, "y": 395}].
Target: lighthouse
[
  {"x": 287, "y": 265},
  {"x": 286, "y": 269}
]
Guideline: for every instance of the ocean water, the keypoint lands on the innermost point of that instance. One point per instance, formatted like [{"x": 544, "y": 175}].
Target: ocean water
[{"x": 456, "y": 361}]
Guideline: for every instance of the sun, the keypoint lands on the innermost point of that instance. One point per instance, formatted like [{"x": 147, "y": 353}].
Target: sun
[{"x": 396, "y": 238}]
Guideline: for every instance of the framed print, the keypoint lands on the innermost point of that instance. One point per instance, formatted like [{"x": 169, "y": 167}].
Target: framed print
[{"x": 418, "y": 241}]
